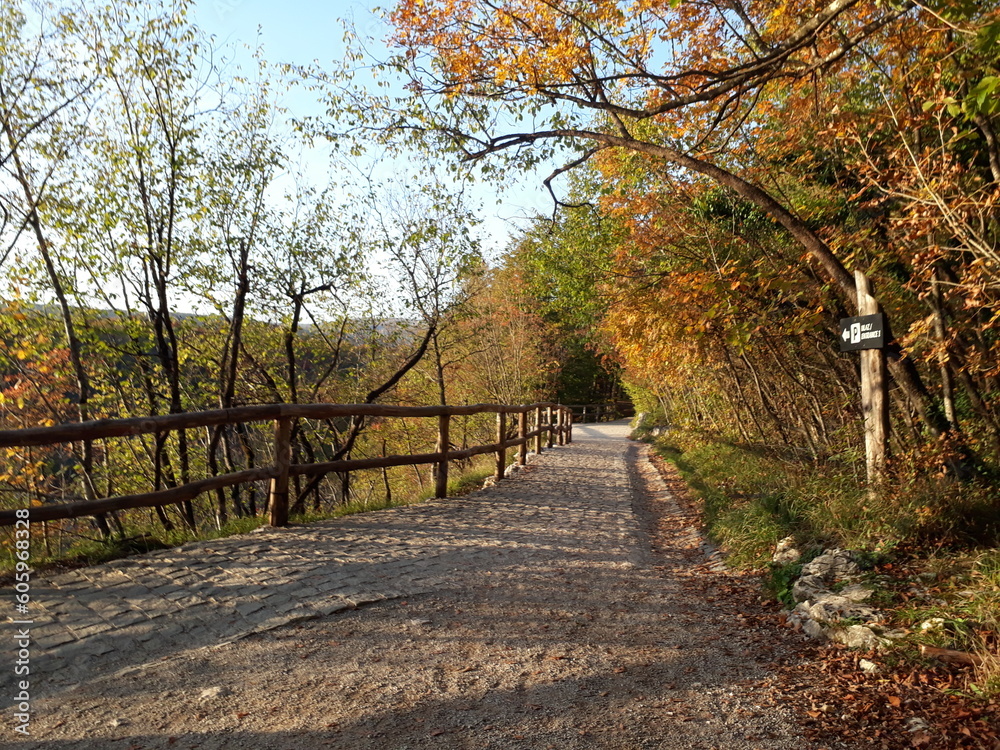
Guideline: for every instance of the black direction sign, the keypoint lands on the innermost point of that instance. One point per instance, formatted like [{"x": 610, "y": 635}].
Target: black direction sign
[{"x": 862, "y": 332}]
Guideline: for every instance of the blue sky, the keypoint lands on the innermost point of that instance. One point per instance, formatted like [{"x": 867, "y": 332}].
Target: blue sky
[
  {"x": 303, "y": 31},
  {"x": 297, "y": 31}
]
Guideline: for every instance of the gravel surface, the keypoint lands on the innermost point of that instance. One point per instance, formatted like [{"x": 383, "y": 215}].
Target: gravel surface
[{"x": 573, "y": 606}]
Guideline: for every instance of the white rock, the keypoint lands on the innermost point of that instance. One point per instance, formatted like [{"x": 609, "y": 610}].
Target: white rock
[
  {"x": 785, "y": 552},
  {"x": 856, "y": 592},
  {"x": 933, "y": 625},
  {"x": 211, "y": 693},
  {"x": 868, "y": 667},
  {"x": 814, "y": 630},
  {"x": 795, "y": 619},
  {"x": 894, "y": 634},
  {"x": 917, "y": 724},
  {"x": 855, "y": 636},
  {"x": 808, "y": 587},
  {"x": 833, "y": 607},
  {"x": 820, "y": 612},
  {"x": 832, "y": 565}
]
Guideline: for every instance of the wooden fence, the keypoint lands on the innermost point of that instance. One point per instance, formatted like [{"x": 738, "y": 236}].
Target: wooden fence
[
  {"x": 608, "y": 411},
  {"x": 550, "y": 419}
]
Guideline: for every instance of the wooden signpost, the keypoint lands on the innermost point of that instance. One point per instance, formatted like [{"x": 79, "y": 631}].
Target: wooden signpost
[{"x": 867, "y": 333}]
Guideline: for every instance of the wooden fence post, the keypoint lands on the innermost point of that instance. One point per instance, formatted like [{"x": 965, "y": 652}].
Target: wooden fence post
[
  {"x": 278, "y": 503},
  {"x": 538, "y": 426},
  {"x": 569, "y": 426},
  {"x": 522, "y": 430},
  {"x": 874, "y": 390},
  {"x": 560, "y": 426},
  {"x": 502, "y": 442},
  {"x": 441, "y": 481},
  {"x": 552, "y": 428}
]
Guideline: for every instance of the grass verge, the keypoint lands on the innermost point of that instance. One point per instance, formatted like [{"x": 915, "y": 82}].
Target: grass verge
[{"x": 932, "y": 542}]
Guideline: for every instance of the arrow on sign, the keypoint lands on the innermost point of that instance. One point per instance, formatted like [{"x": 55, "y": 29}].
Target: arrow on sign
[{"x": 862, "y": 332}]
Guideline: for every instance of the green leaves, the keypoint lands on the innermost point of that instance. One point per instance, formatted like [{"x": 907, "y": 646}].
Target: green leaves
[
  {"x": 982, "y": 99},
  {"x": 955, "y": 10},
  {"x": 988, "y": 37},
  {"x": 983, "y": 95}
]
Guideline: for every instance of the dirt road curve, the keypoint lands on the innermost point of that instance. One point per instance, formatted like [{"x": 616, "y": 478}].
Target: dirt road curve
[{"x": 570, "y": 607}]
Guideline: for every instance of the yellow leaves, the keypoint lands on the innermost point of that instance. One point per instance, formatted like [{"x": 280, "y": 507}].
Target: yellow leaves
[{"x": 526, "y": 43}]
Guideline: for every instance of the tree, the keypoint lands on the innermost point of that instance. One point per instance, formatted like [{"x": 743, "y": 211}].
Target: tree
[
  {"x": 427, "y": 234},
  {"x": 566, "y": 265},
  {"x": 41, "y": 102},
  {"x": 241, "y": 168},
  {"x": 506, "y": 352}
]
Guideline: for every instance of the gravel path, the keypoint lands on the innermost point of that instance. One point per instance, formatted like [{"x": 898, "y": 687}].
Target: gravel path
[{"x": 572, "y": 606}]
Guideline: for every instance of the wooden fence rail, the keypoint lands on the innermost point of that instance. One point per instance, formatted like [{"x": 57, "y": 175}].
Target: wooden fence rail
[
  {"x": 551, "y": 419},
  {"x": 610, "y": 410}
]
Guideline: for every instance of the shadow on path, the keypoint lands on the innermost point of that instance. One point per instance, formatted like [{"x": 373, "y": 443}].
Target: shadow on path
[{"x": 532, "y": 614}]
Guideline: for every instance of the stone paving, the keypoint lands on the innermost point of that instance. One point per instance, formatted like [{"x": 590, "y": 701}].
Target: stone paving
[{"x": 115, "y": 618}]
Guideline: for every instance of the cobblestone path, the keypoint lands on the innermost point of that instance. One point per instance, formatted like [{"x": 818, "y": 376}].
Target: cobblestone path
[
  {"x": 572, "y": 500},
  {"x": 572, "y": 606}
]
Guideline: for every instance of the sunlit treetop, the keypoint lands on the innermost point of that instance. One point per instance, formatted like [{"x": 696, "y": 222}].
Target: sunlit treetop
[{"x": 631, "y": 59}]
